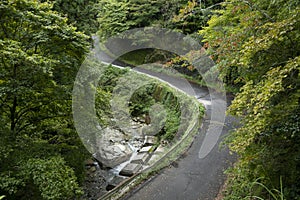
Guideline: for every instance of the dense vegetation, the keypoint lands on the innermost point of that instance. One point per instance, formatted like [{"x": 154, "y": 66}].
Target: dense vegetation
[
  {"x": 40, "y": 52},
  {"x": 42, "y": 44},
  {"x": 256, "y": 47},
  {"x": 152, "y": 94}
]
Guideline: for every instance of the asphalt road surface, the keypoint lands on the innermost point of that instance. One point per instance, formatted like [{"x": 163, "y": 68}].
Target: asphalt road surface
[{"x": 189, "y": 178}]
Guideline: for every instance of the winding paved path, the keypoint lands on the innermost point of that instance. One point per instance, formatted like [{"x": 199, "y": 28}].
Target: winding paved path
[{"x": 189, "y": 178}]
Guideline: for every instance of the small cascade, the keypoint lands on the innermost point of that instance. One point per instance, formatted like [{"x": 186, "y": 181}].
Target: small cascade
[{"x": 116, "y": 170}]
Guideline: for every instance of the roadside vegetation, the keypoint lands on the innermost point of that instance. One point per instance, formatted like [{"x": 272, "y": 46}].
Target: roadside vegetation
[
  {"x": 168, "y": 115},
  {"x": 255, "y": 45}
]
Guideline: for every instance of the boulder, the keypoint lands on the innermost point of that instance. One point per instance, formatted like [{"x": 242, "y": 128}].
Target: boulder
[
  {"x": 150, "y": 141},
  {"x": 112, "y": 150},
  {"x": 111, "y": 155},
  {"x": 146, "y": 149},
  {"x": 130, "y": 169},
  {"x": 140, "y": 158}
]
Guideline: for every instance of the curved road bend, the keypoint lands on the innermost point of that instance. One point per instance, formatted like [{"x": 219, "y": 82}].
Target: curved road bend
[{"x": 189, "y": 178}]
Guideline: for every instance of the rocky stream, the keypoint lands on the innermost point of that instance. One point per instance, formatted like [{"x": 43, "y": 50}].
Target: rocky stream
[{"x": 121, "y": 154}]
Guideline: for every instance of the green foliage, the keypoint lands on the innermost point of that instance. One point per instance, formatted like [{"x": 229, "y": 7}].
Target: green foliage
[
  {"x": 113, "y": 18},
  {"x": 172, "y": 124},
  {"x": 16, "y": 174},
  {"x": 194, "y": 15},
  {"x": 54, "y": 179},
  {"x": 40, "y": 54},
  {"x": 141, "y": 102},
  {"x": 274, "y": 193},
  {"x": 39, "y": 57},
  {"x": 136, "y": 58},
  {"x": 118, "y": 16},
  {"x": 183, "y": 64},
  {"x": 102, "y": 106},
  {"x": 256, "y": 46},
  {"x": 80, "y": 13},
  {"x": 144, "y": 56},
  {"x": 147, "y": 96},
  {"x": 57, "y": 139},
  {"x": 110, "y": 77}
]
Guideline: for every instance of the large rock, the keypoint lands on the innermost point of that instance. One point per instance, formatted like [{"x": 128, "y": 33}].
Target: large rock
[
  {"x": 113, "y": 150},
  {"x": 111, "y": 155},
  {"x": 146, "y": 149},
  {"x": 150, "y": 141},
  {"x": 130, "y": 169},
  {"x": 140, "y": 158}
]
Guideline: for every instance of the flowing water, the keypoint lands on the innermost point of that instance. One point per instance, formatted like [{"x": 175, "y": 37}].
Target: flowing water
[{"x": 116, "y": 170}]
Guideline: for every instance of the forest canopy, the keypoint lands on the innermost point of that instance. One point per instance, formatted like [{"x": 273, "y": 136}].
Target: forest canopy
[
  {"x": 256, "y": 47},
  {"x": 39, "y": 57},
  {"x": 254, "y": 43}
]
